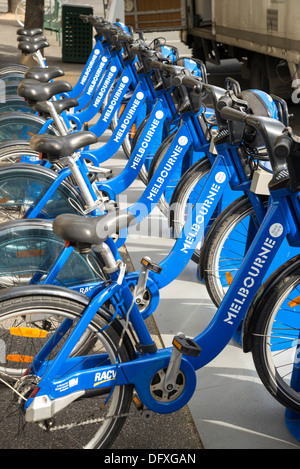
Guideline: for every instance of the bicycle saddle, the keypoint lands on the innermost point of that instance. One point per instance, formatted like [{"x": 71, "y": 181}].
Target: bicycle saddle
[
  {"x": 62, "y": 145},
  {"x": 94, "y": 230},
  {"x": 29, "y": 32},
  {"x": 35, "y": 91},
  {"x": 31, "y": 39},
  {"x": 44, "y": 74},
  {"x": 30, "y": 47},
  {"x": 60, "y": 106}
]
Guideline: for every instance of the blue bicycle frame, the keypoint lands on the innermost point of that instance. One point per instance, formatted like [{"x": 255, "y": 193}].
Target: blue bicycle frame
[{"x": 281, "y": 220}]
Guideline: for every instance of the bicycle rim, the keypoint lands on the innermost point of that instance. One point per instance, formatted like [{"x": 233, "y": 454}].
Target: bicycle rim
[{"x": 276, "y": 343}]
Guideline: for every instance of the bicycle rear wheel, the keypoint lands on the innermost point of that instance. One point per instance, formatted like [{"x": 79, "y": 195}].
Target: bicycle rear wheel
[
  {"x": 12, "y": 152},
  {"x": 22, "y": 185},
  {"x": 28, "y": 250},
  {"x": 26, "y": 323},
  {"x": 21, "y": 126}
]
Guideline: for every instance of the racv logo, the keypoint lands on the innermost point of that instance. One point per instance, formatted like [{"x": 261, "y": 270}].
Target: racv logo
[{"x": 104, "y": 376}]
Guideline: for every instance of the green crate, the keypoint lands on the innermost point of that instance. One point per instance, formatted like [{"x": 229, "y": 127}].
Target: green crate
[{"x": 77, "y": 37}]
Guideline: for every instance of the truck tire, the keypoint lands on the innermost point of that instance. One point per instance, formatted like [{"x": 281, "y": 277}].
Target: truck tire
[
  {"x": 258, "y": 73},
  {"x": 198, "y": 51}
]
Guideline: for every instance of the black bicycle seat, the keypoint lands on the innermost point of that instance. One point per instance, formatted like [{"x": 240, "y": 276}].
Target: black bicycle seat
[
  {"x": 34, "y": 90},
  {"x": 31, "y": 39},
  {"x": 95, "y": 230},
  {"x": 30, "y": 47},
  {"x": 29, "y": 32},
  {"x": 60, "y": 106},
  {"x": 44, "y": 74},
  {"x": 60, "y": 146}
]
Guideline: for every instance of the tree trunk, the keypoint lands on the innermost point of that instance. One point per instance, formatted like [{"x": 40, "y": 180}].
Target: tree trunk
[
  {"x": 34, "y": 14},
  {"x": 34, "y": 18},
  {"x": 12, "y": 5}
]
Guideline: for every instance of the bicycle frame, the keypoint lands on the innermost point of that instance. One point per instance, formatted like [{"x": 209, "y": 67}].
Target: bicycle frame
[
  {"x": 279, "y": 222},
  {"x": 226, "y": 170}
]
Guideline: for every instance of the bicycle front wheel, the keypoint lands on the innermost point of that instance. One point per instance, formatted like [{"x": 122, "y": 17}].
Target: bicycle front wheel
[
  {"x": 225, "y": 246},
  {"x": 276, "y": 334},
  {"x": 26, "y": 323}
]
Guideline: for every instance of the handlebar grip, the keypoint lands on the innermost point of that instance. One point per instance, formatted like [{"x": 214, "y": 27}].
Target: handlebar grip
[
  {"x": 228, "y": 113},
  {"x": 84, "y": 18},
  {"x": 123, "y": 38},
  {"x": 224, "y": 101},
  {"x": 283, "y": 146},
  {"x": 185, "y": 80}
]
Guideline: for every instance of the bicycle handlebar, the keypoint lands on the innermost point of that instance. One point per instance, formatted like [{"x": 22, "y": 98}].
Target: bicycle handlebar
[
  {"x": 229, "y": 113},
  {"x": 188, "y": 81},
  {"x": 283, "y": 145},
  {"x": 271, "y": 131},
  {"x": 123, "y": 38}
]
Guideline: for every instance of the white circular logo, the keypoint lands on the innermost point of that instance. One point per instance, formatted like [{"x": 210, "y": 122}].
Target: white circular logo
[
  {"x": 104, "y": 59},
  {"x": 276, "y": 230},
  {"x": 113, "y": 69},
  {"x": 140, "y": 95},
  {"x": 97, "y": 51},
  {"x": 220, "y": 177},
  {"x": 125, "y": 79},
  {"x": 159, "y": 114},
  {"x": 183, "y": 141}
]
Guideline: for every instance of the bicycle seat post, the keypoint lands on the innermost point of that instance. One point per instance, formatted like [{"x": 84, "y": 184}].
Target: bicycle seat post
[
  {"x": 38, "y": 57},
  {"x": 60, "y": 124},
  {"x": 72, "y": 163}
]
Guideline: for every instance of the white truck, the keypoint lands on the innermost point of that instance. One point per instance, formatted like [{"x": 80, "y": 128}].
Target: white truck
[{"x": 263, "y": 34}]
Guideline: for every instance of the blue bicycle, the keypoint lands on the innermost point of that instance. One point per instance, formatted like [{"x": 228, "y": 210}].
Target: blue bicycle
[
  {"x": 83, "y": 394},
  {"x": 52, "y": 200}
]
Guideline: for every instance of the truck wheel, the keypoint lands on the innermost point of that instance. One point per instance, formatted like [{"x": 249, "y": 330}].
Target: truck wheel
[
  {"x": 258, "y": 73},
  {"x": 198, "y": 51}
]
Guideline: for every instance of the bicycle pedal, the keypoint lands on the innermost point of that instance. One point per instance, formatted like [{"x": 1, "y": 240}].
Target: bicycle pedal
[
  {"x": 186, "y": 346},
  {"x": 150, "y": 265},
  {"x": 138, "y": 403},
  {"x": 110, "y": 174}
]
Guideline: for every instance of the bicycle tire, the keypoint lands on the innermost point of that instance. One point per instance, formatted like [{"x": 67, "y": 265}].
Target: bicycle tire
[
  {"x": 11, "y": 152},
  {"x": 11, "y": 68},
  {"x": 21, "y": 126},
  {"x": 228, "y": 236},
  {"x": 29, "y": 248},
  {"x": 21, "y": 186},
  {"x": 15, "y": 104},
  {"x": 274, "y": 333},
  {"x": 20, "y": 13},
  {"x": 185, "y": 195},
  {"x": 26, "y": 311}
]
